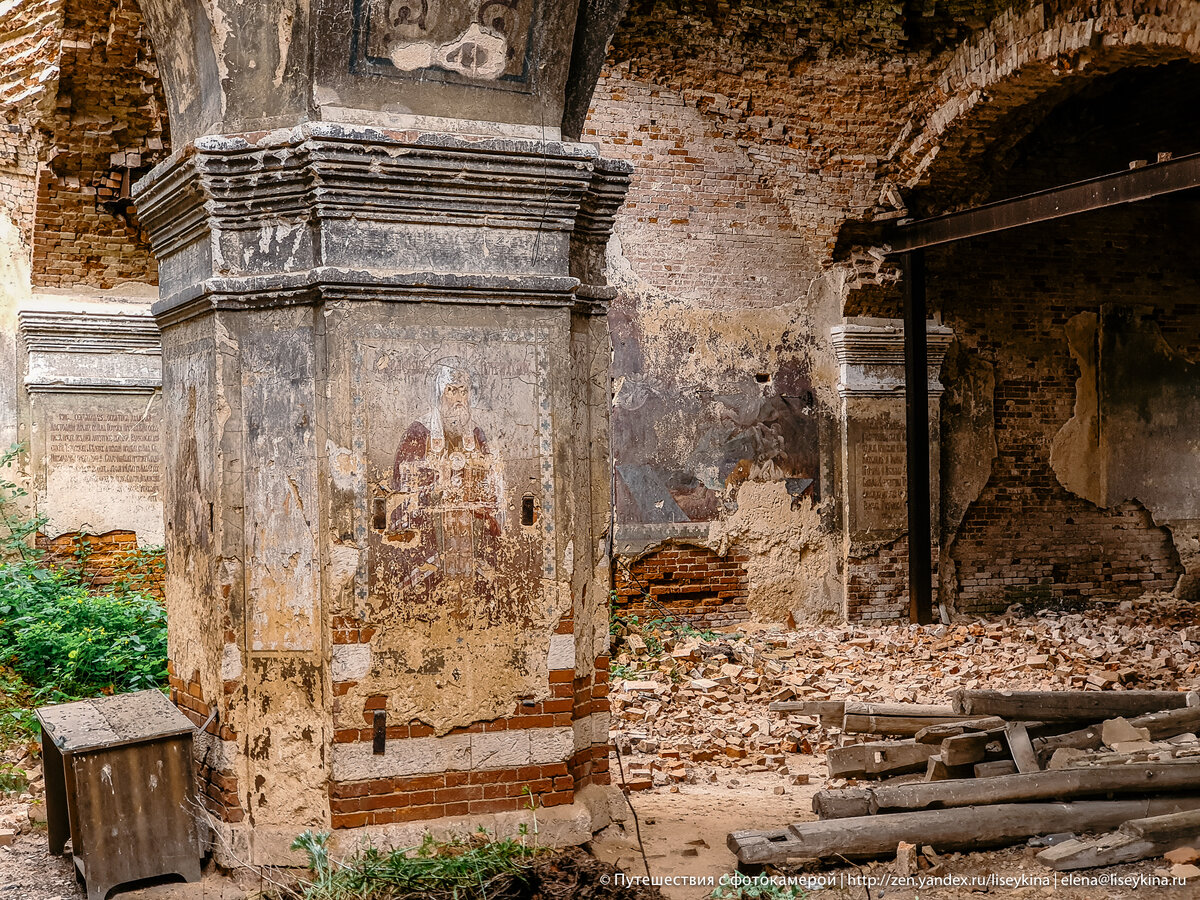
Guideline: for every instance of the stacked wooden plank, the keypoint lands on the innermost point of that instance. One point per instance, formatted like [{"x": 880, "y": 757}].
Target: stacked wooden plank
[{"x": 1000, "y": 767}]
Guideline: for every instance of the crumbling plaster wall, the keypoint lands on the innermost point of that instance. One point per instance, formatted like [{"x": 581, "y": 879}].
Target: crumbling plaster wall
[
  {"x": 1076, "y": 367},
  {"x": 832, "y": 111},
  {"x": 28, "y": 81},
  {"x": 717, "y": 421},
  {"x": 81, "y": 115},
  {"x": 107, "y": 128},
  {"x": 1060, "y": 517}
]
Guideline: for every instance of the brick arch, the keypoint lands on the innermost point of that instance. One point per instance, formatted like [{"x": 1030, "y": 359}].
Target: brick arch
[
  {"x": 108, "y": 126},
  {"x": 995, "y": 88}
]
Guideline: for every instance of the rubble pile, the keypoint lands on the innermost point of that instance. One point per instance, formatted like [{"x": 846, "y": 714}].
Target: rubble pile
[{"x": 687, "y": 703}]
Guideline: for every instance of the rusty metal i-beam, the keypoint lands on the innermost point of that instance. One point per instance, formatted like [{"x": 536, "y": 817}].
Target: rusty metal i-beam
[
  {"x": 1117, "y": 189},
  {"x": 916, "y": 395}
]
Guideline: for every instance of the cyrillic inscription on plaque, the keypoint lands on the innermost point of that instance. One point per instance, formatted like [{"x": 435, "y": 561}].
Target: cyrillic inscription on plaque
[
  {"x": 879, "y": 478},
  {"x": 122, "y": 445}
]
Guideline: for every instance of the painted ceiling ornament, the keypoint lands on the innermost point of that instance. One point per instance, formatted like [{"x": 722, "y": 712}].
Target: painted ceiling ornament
[
  {"x": 480, "y": 51},
  {"x": 476, "y": 54}
]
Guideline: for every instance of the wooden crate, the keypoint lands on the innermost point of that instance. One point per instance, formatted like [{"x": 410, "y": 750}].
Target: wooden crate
[{"x": 119, "y": 785}]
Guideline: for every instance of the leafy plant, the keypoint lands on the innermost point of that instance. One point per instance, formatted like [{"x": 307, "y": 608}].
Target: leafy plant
[
  {"x": 458, "y": 869},
  {"x": 60, "y": 640},
  {"x": 54, "y": 632},
  {"x": 12, "y": 779},
  {"x": 758, "y": 889},
  {"x": 16, "y": 531}
]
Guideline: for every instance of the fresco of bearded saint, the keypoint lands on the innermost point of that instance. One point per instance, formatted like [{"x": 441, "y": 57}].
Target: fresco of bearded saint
[{"x": 447, "y": 523}]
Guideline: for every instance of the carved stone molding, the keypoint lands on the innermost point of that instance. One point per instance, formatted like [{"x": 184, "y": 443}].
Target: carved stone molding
[{"x": 871, "y": 357}]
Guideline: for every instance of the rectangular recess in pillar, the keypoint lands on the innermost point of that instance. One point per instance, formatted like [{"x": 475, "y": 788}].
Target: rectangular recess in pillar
[
  {"x": 379, "y": 733},
  {"x": 489, "y": 43},
  {"x": 457, "y": 504},
  {"x": 280, "y": 480}
]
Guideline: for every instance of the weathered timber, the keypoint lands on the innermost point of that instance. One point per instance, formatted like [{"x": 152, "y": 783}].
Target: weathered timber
[
  {"x": 1164, "y": 724},
  {"x": 935, "y": 734},
  {"x": 1063, "y": 784},
  {"x": 966, "y": 828},
  {"x": 902, "y": 710},
  {"x": 937, "y": 769},
  {"x": 1134, "y": 840},
  {"x": 1020, "y": 747},
  {"x": 823, "y": 708},
  {"x": 878, "y": 758},
  {"x": 1169, "y": 722},
  {"x": 1065, "y": 706},
  {"x": 995, "y": 768},
  {"x": 844, "y": 803},
  {"x": 895, "y": 719},
  {"x": 1175, "y": 826},
  {"x": 962, "y": 749},
  {"x": 1106, "y": 850},
  {"x": 894, "y": 726}
]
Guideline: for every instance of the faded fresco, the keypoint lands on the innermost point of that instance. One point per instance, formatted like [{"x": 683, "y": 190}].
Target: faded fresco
[
  {"x": 454, "y": 425},
  {"x": 479, "y": 41},
  {"x": 681, "y": 451},
  {"x": 457, "y": 508}
]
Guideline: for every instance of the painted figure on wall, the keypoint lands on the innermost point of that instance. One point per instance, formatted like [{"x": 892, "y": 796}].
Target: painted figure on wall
[
  {"x": 447, "y": 515},
  {"x": 483, "y": 40}
]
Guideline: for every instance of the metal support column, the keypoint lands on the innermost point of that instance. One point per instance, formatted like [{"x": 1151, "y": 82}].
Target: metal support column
[{"x": 916, "y": 393}]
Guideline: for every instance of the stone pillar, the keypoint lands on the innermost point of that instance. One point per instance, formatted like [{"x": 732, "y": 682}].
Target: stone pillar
[
  {"x": 870, "y": 354},
  {"x": 385, "y": 382}
]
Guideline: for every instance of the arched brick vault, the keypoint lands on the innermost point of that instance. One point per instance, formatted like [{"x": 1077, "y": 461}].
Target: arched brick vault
[
  {"x": 1024, "y": 517},
  {"x": 82, "y": 94},
  {"x": 999, "y": 84}
]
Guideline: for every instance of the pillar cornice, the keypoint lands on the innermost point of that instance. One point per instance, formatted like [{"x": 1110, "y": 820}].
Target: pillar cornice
[{"x": 320, "y": 210}]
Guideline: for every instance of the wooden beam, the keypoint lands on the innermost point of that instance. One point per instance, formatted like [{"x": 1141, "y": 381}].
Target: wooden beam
[
  {"x": 967, "y": 828},
  {"x": 1065, "y": 706},
  {"x": 1061, "y": 784},
  {"x": 1136, "y": 839}
]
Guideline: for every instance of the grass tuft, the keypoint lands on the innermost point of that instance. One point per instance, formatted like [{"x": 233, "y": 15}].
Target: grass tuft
[{"x": 473, "y": 868}]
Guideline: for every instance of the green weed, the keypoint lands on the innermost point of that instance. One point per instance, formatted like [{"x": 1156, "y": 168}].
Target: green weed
[
  {"x": 458, "y": 869},
  {"x": 60, "y": 640},
  {"x": 758, "y": 889}
]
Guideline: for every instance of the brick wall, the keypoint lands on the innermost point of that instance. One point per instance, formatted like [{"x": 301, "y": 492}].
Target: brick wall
[
  {"x": 700, "y": 212},
  {"x": 218, "y": 786},
  {"x": 877, "y": 585},
  {"x": 693, "y": 583},
  {"x": 107, "y": 561},
  {"x": 1026, "y": 537},
  {"x": 108, "y": 128},
  {"x": 574, "y": 698},
  {"x": 29, "y": 33},
  {"x": 18, "y": 177}
]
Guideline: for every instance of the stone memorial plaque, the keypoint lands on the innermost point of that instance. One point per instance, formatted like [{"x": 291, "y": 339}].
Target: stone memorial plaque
[
  {"x": 92, "y": 380},
  {"x": 878, "y": 476},
  {"x": 103, "y": 464}
]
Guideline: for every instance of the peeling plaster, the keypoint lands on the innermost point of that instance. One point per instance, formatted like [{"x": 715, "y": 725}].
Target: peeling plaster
[
  {"x": 562, "y": 652},
  {"x": 459, "y": 752},
  {"x": 792, "y": 570},
  {"x": 350, "y": 662},
  {"x": 1074, "y": 456},
  {"x": 80, "y": 499},
  {"x": 14, "y": 290},
  {"x": 968, "y": 433}
]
